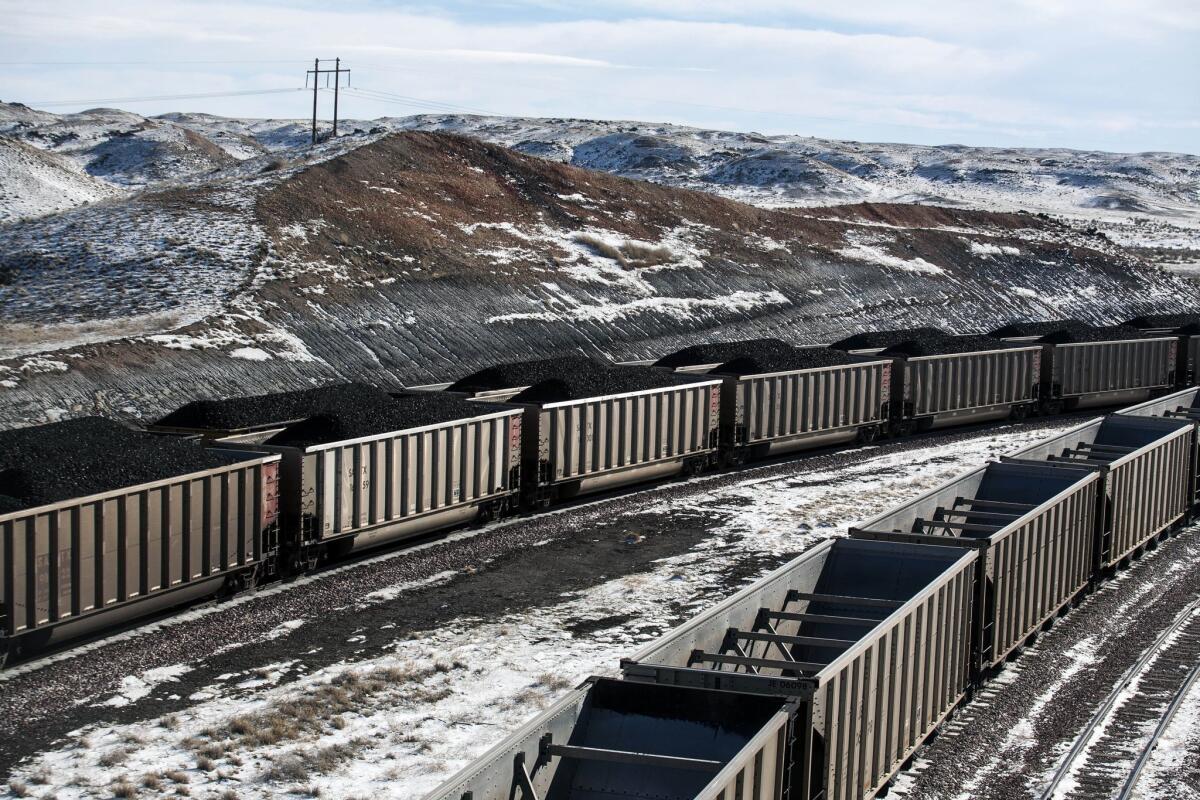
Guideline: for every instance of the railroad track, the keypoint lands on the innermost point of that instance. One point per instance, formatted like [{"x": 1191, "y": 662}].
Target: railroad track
[{"x": 1107, "y": 758}]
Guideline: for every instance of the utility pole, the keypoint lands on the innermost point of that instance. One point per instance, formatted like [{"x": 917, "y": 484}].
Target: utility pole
[{"x": 316, "y": 73}]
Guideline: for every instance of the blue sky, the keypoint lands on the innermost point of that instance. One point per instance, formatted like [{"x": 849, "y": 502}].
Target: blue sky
[{"x": 1103, "y": 74}]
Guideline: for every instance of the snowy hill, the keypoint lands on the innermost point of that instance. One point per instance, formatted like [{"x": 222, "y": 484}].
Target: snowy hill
[
  {"x": 413, "y": 257},
  {"x": 35, "y": 182},
  {"x": 1148, "y": 201}
]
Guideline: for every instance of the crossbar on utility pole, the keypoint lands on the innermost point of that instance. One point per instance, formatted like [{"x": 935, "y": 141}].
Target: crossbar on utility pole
[{"x": 317, "y": 72}]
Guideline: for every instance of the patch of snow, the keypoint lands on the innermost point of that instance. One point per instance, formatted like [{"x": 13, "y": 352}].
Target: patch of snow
[{"x": 250, "y": 354}]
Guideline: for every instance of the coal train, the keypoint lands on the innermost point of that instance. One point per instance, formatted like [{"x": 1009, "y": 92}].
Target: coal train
[
  {"x": 102, "y": 524},
  {"x": 822, "y": 679}
]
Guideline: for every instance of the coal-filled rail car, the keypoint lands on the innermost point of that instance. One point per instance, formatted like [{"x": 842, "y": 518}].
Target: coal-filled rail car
[
  {"x": 1184, "y": 327},
  {"x": 1084, "y": 366},
  {"x": 362, "y": 467},
  {"x": 1181, "y": 405},
  {"x": 1035, "y": 529},
  {"x": 615, "y": 739},
  {"x": 100, "y": 524},
  {"x": 1145, "y": 465},
  {"x": 871, "y": 638},
  {"x": 940, "y": 379},
  {"x": 776, "y": 398},
  {"x": 590, "y": 425}
]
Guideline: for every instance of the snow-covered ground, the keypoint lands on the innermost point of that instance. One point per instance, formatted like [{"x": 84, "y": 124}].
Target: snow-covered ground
[{"x": 397, "y": 724}]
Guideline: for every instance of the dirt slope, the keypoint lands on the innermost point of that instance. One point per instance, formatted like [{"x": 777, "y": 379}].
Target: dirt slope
[{"x": 417, "y": 257}]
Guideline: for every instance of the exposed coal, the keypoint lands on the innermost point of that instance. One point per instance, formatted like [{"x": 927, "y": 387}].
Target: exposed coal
[
  {"x": 271, "y": 410},
  {"x": 90, "y": 455},
  {"x": 1067, "y": 331},
  {"x": 881, "y": 340},
  {"x": 948, "y": 343},
  {"x": 571, "y": 378},
  {"x": 1179, "y": 323},
  {"x": 520, "y": 374},
  {"x": 368, "y": 416},
  {"x": 797, "y": 359},
  {"x": 723, "y": 352}
]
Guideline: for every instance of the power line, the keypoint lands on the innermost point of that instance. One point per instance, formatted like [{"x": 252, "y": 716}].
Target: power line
[
  {"x": 156, "y": 63},
  {"x": 418, "y": 102},
  {"x": 151, "y": 98}
]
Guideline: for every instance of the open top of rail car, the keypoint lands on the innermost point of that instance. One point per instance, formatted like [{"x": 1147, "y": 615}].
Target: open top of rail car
[
  {"x": 1105, "y": 442},
  {"x": 1167, "y": 323},
  {"x": 616, "y": 739},
  {"x": 755, "y": 357},
  {"x": 986, "y": 503},
  {"x": 340, "y": 412},
  {"x": 1184, "y": 404},
  {"x": 88, "y": 456},
  {"x": 564, "y": 379},
  {"x": 786, "y": 633},
  {"x": 1067, "y": 331}
]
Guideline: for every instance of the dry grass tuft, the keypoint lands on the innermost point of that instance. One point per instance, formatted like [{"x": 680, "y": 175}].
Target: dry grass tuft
[
  {"x": 553, "y": 681},
  {"x": 18, "y": 789},
  {"x": 123, "y": 789},
  {"x": 114, "y": 757},
  {"x": 152, "y": 781},
  {"x": 630, "y": 255},
  {"x": 177, "y": 775}
]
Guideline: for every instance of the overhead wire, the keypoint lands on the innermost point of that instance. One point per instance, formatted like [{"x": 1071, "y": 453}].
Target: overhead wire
[{"x": 152, "y": 98}]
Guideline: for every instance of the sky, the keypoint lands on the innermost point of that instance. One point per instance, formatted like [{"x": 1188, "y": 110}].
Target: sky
[{"x": 1091, "y": 74}]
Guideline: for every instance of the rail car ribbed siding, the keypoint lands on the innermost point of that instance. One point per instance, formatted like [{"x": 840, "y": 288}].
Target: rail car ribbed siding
[
  {"x": 625, "y": 737},
  {"x": 1146, "y": 489},
  {"x": 1030, "y": 568},
  {"x": 1149, "y": 494},
  {"x": 962, "y": 381},
  {"x": 879, "y": 707},
  {"x": 1181, "y": 405},
  {"x": 583, "y": 438},
  {"x": 867, "y": 710},
  {"x": 1082, "y": 368},
  {"x": 69, "y": 560},
  {"x": 786, "y": 404},
  {"x": 350, "y": 487}
]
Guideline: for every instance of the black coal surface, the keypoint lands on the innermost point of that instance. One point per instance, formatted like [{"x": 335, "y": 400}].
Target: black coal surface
[
  {"x": 526, "y": 373},
  {"x": 1184, "y": 323},
  {"x": 599, "y": 380},
  {"x": 90, "y": 455},
  {"x": 376, "y": 416},
  {"x": 1067, "y": 331},
  {"x": 946, "y": 343},
  {"x": 267, "y": 410},
  {"x": 797, "y": 358},
  {"x": 869, "y": 340},
  {"x": 722, "y": 352}
]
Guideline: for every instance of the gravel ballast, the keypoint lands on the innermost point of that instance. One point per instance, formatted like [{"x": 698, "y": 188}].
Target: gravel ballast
[{"x": 90, "y": 455}]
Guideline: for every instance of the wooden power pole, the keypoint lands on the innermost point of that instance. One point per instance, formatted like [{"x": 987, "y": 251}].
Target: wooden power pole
[{"x": 316, "y": 73}]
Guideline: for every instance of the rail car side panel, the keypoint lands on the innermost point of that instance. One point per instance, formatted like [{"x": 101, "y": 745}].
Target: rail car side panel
[
  {"x": 1086, "y": 370},
  {"x": 960, "y": 382},
  {"x": 593, "y": 439},
  {"x": 63, "y": 563},
  {"x": 775, "y": 408}
]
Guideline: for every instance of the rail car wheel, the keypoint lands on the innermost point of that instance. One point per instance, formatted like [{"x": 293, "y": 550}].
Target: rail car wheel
[{"x": 868, "y": 434}]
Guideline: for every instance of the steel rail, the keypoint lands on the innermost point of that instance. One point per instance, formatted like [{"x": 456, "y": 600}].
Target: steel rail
[
  {"x": 1085, "y": 737},
  {"x": 1144, "y": 757}
]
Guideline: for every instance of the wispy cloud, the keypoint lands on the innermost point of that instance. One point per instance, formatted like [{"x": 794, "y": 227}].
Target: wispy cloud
[{"x": 1114, "y": 74}]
